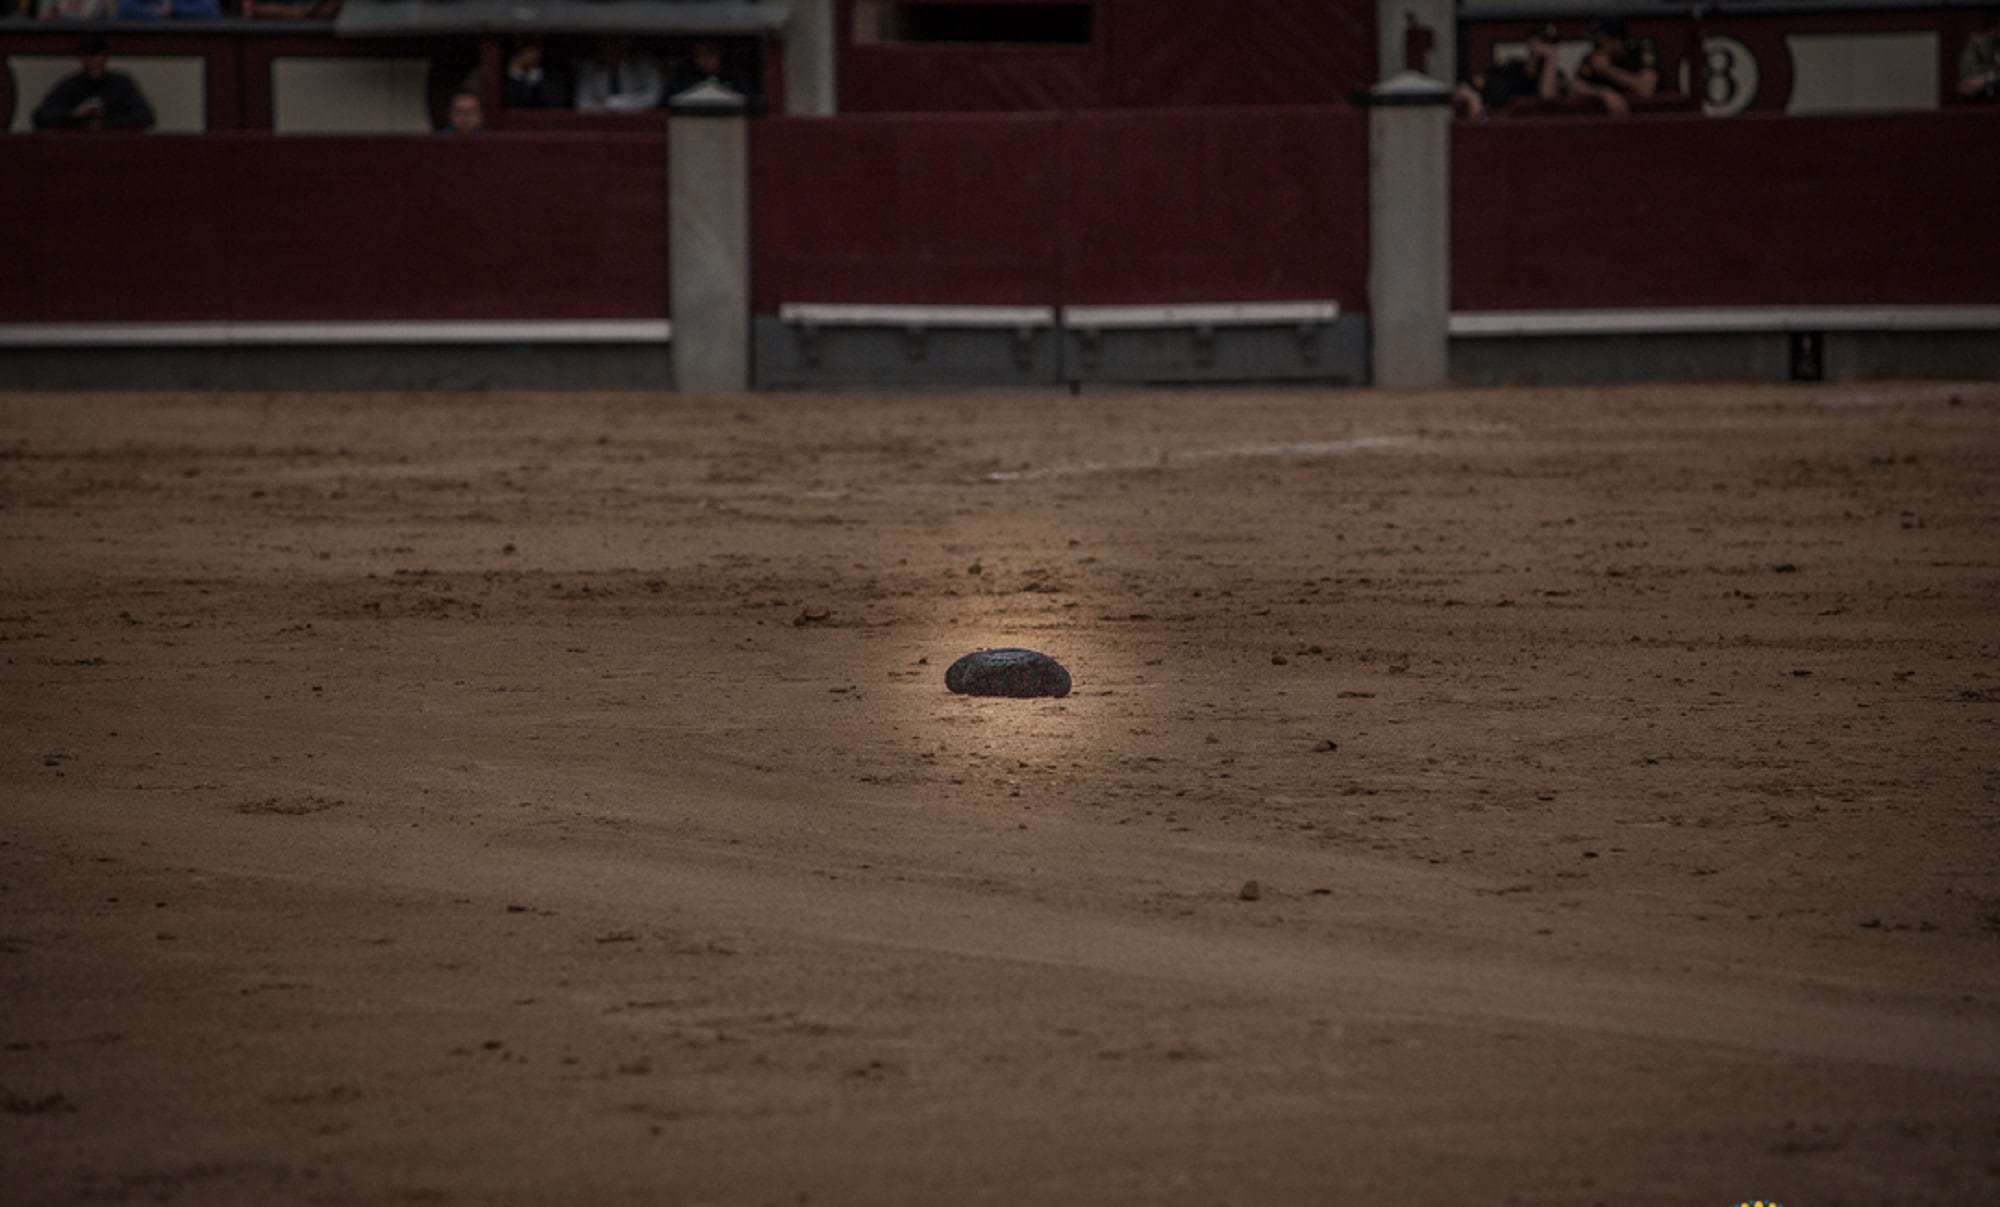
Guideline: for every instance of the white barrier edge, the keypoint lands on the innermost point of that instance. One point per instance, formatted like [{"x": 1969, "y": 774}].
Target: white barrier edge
[
  {"x": 865, "y": 314},
  {"x": 214, "y": 335},
  {"x": 1474, "y": 324},
  {"x": 1201, "y": 314}
]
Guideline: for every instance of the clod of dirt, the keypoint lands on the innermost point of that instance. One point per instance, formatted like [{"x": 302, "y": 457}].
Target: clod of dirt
[
  {"x": 1007, "y": 672},
  {"x": 22, "y": 1104},
  {"x": 1251, "y": 891}
]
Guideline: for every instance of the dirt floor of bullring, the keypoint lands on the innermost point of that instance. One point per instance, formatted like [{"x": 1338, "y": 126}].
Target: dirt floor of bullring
[{"x": 1537, "y": 796}]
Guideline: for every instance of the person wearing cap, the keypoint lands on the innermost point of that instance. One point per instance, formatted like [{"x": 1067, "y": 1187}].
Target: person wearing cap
[
  {"x": 1979, "y": 62},
  {"x": 1620, "y": 67},
  {"x": 95, "y": 97},
  {"x": 1535, "y": 75}
]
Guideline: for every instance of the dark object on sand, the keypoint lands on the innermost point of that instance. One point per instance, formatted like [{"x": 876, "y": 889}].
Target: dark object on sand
[{"x": 1007, "y": 672}]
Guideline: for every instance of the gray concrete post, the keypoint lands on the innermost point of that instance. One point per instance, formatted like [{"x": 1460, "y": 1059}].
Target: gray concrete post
[
  {"x": 810, "y": 39},
  {"x": 1409, "y": 232},
  {"x": 708, "y": 247}
]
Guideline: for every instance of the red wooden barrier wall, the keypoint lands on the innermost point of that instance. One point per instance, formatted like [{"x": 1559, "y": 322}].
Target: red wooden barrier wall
[
  {"x": 1208, "y": 205},
  {"x": 248, "y": 227},
  {"x": 1217, "y": 205},
  {"x": 918, "y": 209},
  {"x": 1179, "y": 206},
  {"x": 1747, "y": 211}
]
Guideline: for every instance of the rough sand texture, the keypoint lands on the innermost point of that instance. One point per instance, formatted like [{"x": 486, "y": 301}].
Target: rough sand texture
[{"x": 555, "y": 799}]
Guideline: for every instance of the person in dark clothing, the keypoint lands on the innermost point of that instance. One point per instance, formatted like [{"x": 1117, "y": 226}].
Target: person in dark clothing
[
  {"x": 1979, "y": 62},
  {"x": 95, "y": 98},
  {"x": 1494, "y": 89},
  {"x": 529, "y": 83},
  {"x": 1620, "y": 67},
  {"x": 707, "y": 62}
]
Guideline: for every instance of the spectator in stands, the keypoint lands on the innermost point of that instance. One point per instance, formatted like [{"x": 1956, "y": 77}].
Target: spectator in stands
[
  {"x": 76, "y": 10},
  {"x": 1535, "y": 74},
  {"x": 466, "y": 115},
  {"x": 619, "y": 78},
  {"x": 164, "y": 10},
  {"x": 1619, "y": 69},
  {"x": 528, "y": 83},
  {"x": 291, "y": 10},
  {"x": 1979, "y": 62},
  {"x": 707, "y": 64},
  {"x": 95, "y": 97}
]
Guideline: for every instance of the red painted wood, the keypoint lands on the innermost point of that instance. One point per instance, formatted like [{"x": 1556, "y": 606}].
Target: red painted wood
[
  {"x": 1188, "y": 206},
  {"x": 223, "y": 81},
  {"x": 771, "y": 56},
  {"x": 1217, "y": 205},
  {"x": 247, "y": 227},
  {"x": 1752, "y": 211},
  {"x": 938, "y": 79},
  {"x": 916, "y": 209},
  {"x": 1196, "y": 205},
  {"x": 1142, "y": 54},
  {"x": 941, "y": 78},
  {"x": 112, "y": 229},
  {"x": 1226, "y": 52},
  {"x": 600, "y": 121}
]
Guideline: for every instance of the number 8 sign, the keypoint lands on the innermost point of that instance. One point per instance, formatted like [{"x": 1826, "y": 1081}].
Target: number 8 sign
[{"x": 1731, "y": 80}]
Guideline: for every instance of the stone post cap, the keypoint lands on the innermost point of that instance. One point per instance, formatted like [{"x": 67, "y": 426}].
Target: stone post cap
[
  {"x": 713, "y": 98},
  {"x": 1408, "y": 87}
]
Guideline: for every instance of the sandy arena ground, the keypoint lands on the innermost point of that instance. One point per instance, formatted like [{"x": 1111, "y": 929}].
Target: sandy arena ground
[{"x": 554, "y": 799}]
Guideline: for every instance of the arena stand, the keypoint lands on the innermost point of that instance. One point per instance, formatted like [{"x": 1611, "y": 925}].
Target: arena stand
[
  {"x": 1761, "y": 56},
  {"x": 1124, "y": 54},
  {"x": 1224, "y": 236}
]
